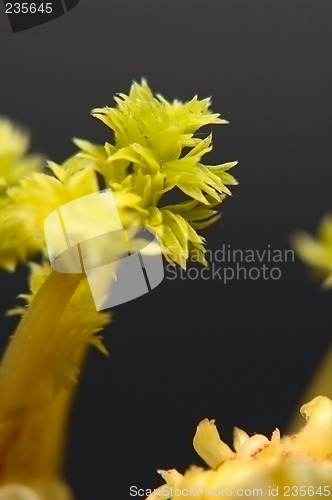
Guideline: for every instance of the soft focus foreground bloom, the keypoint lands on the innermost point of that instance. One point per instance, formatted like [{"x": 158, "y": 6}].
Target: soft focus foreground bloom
[
  {"x": 32, "y": 200},
  {"x": 155, "y": 150},
  {"x": 17, "y": 491},
  {"x": 302, "y": 460}
]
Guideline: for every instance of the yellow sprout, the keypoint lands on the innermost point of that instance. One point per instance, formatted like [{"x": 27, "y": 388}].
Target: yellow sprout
[
  {"x": 156, "y": 150},
  {"x": 293, "y": 464}
]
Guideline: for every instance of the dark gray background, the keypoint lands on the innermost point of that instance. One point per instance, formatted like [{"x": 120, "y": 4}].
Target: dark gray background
[{"x": 243, "y": 352}]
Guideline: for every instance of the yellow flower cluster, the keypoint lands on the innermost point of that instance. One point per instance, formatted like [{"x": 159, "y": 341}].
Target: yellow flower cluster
[
  {"x": 156, "y": 149},
  {"x": 300, "y": 463}
]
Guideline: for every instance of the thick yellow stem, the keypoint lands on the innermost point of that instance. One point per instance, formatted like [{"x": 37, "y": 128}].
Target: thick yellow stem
[{"x": 33, "y": 407}]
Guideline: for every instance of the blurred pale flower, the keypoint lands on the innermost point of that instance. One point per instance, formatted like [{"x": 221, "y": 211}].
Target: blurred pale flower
[
  {"x": 15, "y": 163},
  {"x": 302, "y": 460},
  {"x": 316, "y": 252},
  {"x": 31, "y": 200}
]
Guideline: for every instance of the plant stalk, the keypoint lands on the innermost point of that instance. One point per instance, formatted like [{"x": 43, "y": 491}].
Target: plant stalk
[{"x": 33, "y": 408}]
